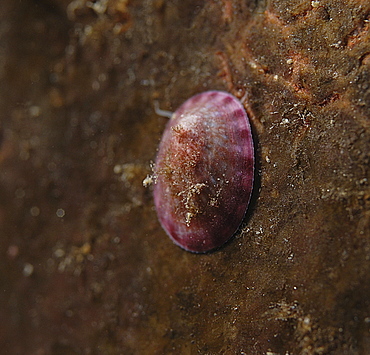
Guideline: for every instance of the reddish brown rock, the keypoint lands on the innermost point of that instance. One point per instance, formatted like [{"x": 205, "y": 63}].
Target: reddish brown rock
[{"x": 85, "y": 266}]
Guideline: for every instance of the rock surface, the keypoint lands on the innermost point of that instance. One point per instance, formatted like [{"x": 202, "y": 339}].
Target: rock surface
[{"x": 85, "y": 267}]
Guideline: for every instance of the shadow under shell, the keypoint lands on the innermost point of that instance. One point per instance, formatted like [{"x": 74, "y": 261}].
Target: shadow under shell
[{"x": 204, "y": 171}]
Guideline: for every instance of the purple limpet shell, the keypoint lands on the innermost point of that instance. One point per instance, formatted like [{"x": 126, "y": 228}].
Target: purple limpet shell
[{"x": 204, "y": 171}]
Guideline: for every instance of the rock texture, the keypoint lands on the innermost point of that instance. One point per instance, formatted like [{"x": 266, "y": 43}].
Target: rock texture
[{"x": 85, "y": 267}]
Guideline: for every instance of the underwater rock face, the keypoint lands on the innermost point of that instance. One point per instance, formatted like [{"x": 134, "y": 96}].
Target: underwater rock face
[
  {"x": 204, "y": 171},
  {"x": 85, "y": 266}
]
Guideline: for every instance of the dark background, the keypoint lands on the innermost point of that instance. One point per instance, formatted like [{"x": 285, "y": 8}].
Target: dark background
[{"x": 85, "y": 267}]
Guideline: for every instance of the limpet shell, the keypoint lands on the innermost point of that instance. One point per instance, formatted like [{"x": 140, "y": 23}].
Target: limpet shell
[{"x": 204, "y": 171}]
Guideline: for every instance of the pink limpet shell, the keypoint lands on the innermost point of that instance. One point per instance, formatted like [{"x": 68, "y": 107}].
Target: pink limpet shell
[{"x": 204, "y": 171}]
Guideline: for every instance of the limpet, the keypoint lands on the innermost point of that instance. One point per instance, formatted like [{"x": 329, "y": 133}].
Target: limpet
[{"x": 204, "y": 171}]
